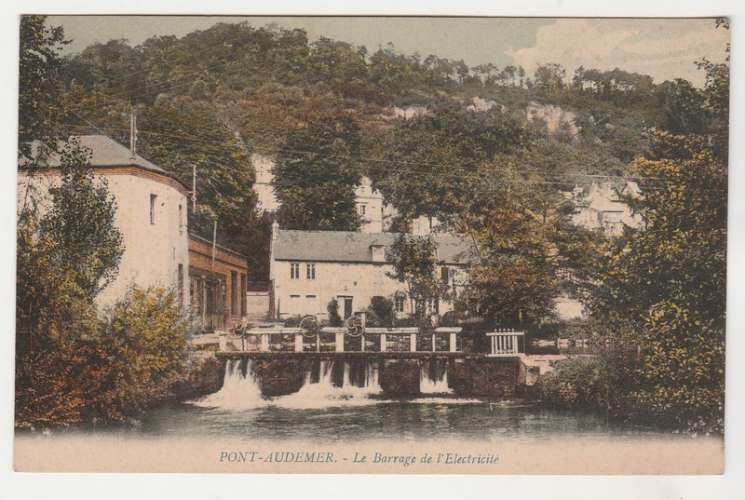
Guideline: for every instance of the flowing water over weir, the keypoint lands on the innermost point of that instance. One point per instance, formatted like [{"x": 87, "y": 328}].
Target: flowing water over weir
[
  {"x": 433, "y": 377},
  {"x": 327, "y": 384}
]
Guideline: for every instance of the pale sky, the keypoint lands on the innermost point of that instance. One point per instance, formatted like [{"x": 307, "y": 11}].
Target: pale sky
[{"x": 662, "y": 48}]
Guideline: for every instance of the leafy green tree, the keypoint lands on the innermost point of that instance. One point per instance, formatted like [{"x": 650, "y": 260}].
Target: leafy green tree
[
  {"x": 38, "y": 86},
  {"x": 415, "y": 264},
  {"x": 144, "y": 335},
  {"x": 315, "y": 178},
  {"x": 380, "y": 312},
  {"x": 431, "y": 161},
  {"x": 664, "y": 285},
  {"x": 81, "y": 222},
  {"x": 180, "y": 133},
  {"x": 333, "y": 312},
  {"x": 522, "y": 229},
  {"x": 68, "y": 250},
  {"x": 549, "y": 79}
]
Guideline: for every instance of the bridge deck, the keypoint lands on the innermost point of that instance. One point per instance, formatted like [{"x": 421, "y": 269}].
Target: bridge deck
[{"x": 357, "y": 354}]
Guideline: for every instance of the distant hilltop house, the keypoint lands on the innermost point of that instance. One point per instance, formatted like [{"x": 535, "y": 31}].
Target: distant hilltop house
[
  {"x": 159, "y": 250},
  {"x": 599, "y": 207},
  {"x": 310, "y": 268}
]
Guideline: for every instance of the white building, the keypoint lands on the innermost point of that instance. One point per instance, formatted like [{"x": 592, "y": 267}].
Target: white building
[
  {"x": 598, "y": 207},
  {"x": 310, "y": 268},
  {"x": 263, "y": 187},
  {"x": 151, "y": 213},
  {"x": 369, "y": 207}
]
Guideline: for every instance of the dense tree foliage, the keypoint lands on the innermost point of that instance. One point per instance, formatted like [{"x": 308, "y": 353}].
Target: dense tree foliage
[
  {"x": 663, "y": 286},
  {"x": 414, "y": 260},
  {"x": 315, "y": 187},
  {"x": 38, "y": 84}
]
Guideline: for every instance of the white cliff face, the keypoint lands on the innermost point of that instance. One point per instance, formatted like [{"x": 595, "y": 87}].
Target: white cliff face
[
  {"x": 555, "y": 118},
  {"x": 479, "y": 105},
  {"x": 407, "y": 113}
]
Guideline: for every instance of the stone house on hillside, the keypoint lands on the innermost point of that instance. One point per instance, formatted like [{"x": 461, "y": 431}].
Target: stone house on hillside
[
  {"x": 151, "y": 213},
  {"x": 310, "y": 268}
]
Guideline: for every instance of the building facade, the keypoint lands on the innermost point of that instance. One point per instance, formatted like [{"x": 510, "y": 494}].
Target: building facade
[
  {"x": 218, "y": 279},
  {"x": 310, "y": 268},
  {"x": 151, "y": 214},
  {"x": 598, "y": 208}
]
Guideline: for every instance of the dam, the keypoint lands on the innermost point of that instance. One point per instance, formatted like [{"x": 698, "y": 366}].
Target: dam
[{"x": 328, "y": 365}]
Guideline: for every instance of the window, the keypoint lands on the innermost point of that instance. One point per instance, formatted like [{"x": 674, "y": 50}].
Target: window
[
  {"x": 244, "y": 290},
  {"x": 233, "y": 293},
  {"x": 361, "y": 209},
  {"x": 294, "y": 271},
  {"x": 310, "y": 271},
  {"x": 399, "y": 302},
  {"x": 153, "y": 201},
  {"x": 180, "y": 219},
  {"x": 444, "y": 274}
]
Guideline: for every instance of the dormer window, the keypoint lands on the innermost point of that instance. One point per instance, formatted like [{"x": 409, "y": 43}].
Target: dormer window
[{"x": 377, "y": 253}]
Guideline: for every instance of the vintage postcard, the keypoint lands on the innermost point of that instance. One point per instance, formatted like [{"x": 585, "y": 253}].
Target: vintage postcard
[{"x": 368, "y": 245}]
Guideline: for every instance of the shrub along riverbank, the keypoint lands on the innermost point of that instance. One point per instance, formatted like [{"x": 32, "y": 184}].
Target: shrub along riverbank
[{"x": 614, "y": 385}]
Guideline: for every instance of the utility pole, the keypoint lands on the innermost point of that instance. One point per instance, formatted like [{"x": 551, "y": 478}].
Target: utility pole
[
  {"x": 194, "y": 188},
  {"x": 132, "y": 132},
  {"x": 214, "y": 243}
]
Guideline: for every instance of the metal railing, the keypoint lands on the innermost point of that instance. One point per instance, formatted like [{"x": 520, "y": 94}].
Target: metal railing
[{"x": 296, "y": 339}]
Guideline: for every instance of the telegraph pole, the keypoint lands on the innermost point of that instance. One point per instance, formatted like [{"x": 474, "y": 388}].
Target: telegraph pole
[{"x": 194, "y": 188}]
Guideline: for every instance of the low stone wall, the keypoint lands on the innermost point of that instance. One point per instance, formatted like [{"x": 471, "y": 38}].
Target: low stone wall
[
  {"x": 487, "y": 377},
  {"x": 400, "y": 377},
  {"x": 205, "y": 374},
  {"x": 281, "y": 376}
]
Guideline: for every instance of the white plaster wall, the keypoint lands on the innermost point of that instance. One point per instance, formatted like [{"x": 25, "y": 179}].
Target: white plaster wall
[
  {"x": 263, "y": 186},
  {"x": 600, "y": 208},
  {"x": 568, "y": 308},
  {"x": 372, "y": 221},
  {"x": 152, "y": 252},
  {"x": 362, "y": 281}
]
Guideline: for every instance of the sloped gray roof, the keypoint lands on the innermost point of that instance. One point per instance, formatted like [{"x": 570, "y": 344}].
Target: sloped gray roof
[
  {"x": 347, "y": 246},
  {"x": 106, "y": 152}
]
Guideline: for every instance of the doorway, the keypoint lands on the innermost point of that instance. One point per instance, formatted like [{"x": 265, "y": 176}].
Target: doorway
[{"x": 347, "y": 303}]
